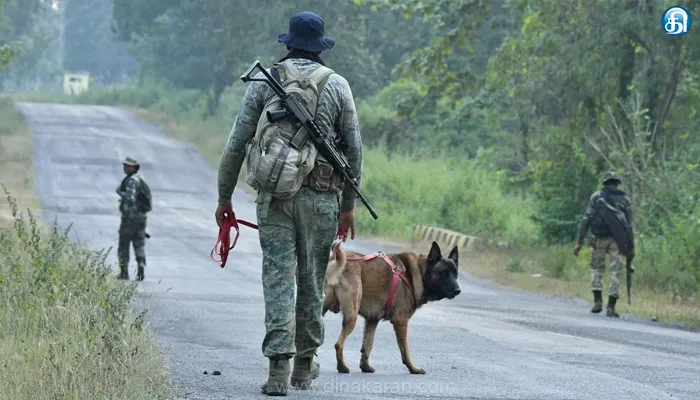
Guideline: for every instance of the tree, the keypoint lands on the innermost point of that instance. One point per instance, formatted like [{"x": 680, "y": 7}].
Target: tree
[
  {"x": 91, "y": 45},
  {"x": 205, "y": 45},
  {"x": 26, "y": 38}
]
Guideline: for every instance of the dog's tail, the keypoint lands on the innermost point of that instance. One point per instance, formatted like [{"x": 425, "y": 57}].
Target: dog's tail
[
  {"x": 336, "y": 265},
  {"x": 334, "y": 273}
]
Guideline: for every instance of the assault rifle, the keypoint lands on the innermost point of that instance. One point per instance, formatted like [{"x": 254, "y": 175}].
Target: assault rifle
[
  {"x": 293, "y": 108},
  {"x": 630, "y": 270},
  {"x": 621, "y": 232}
]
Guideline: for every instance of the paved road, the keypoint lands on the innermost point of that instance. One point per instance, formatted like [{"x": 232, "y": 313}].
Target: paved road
[{"x": 488, "y": 343}]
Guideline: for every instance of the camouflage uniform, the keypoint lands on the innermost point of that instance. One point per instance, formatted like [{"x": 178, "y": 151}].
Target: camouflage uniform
[
  {"x": 604, "y": 244},
  {"x": 295, "y": 234},
  {"x": 132, "y": 228}
]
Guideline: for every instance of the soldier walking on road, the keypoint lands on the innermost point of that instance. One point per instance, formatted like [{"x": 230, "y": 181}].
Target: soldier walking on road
[
  {"x": 135, "y": 203},
  {"x": 296, "y": 230},
  {"x": 604, "y": 244}
]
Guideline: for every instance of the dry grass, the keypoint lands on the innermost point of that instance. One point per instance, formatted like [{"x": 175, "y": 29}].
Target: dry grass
[
  {"x": 66, "y": 330},
  {"x": 16, "y": 166}
]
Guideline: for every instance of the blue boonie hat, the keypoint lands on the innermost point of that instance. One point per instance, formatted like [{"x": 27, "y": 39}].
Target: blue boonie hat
[{"x": 306, "y": 33}]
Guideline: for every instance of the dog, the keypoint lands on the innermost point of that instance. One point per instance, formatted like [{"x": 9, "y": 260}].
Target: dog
[{"x": 356, "y": 284}]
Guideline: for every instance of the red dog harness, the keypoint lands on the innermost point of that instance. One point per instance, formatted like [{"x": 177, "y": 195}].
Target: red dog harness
[{"x": 397, "y": 273}]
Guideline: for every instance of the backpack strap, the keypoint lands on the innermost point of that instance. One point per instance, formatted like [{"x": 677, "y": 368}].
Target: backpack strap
[
  {"x": 287, "y": 72},
  {"x": 319, "y": 76}
]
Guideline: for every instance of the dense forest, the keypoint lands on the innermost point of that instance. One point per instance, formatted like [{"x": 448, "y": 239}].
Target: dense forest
[{"x": 493, "y": 118}]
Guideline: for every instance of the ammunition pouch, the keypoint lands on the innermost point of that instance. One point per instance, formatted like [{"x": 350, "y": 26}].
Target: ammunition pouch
[{"x": 323, "y": 177}]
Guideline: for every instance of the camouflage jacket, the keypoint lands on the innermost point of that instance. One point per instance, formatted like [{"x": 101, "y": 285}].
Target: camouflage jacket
[
  {"x": 127, "y": 192},
  {"x": 336, "y": 115},
  {"x": 618, "y": 199}
]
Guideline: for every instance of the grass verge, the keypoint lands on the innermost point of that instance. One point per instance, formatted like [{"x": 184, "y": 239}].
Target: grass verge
[
  {"x": 16, "y": 166},
  {"x": 557, "y": 272},
  {"x": 65, "y": 326}
]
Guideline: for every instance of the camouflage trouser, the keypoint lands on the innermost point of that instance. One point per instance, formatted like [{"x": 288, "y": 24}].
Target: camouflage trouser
[
  {"x": 602, "y": 247},
  {"x": 132, "y": 231},
  {"x": 296, "y": 237}
]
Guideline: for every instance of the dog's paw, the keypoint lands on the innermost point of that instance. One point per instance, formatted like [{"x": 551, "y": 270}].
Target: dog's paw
[
  {"x": 366, "y": 368},
  {"x": 343, "y": 369},
  {"x": 417, "y": 371}
]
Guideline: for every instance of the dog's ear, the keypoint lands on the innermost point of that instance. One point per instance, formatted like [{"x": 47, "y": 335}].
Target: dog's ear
[
  {"x": 454, "y": 255},
  {"x": 435, "y": 254}
]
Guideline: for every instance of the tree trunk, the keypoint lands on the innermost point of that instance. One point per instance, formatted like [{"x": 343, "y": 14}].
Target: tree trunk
[
  {"x": 525, "y": 133},
  {"x": 669, "y": 93},
  {"x": 626, "y": 70},
  {"x": 215, "y": 100},
  {"x": 627, "y": 61}
]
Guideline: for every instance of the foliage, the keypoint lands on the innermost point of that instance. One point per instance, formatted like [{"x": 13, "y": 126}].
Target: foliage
[
  {"x": 563, "y": 181},
  {"x": 465, "y": 196},
  {"x": 64, "y": 320},
  {"x": 204, "y": 45},
  {"x": 91, "y": 46},
  {"x": 21, "y": 41}
]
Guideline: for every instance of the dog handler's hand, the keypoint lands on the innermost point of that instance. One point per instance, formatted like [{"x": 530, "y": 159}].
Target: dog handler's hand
[
  {"x": 577, "y": 249},
  {"x": 223, "y": 211},
  {"x": 346, "y": 222}
]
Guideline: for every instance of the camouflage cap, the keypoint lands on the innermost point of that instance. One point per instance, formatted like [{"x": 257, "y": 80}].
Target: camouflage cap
[
  {"x": 130, "y": 161},
  {"x": 611, "y": 176}
]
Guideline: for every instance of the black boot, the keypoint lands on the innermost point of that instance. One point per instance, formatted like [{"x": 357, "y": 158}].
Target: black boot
[
  {"x": 598, "y": 299},
  {"x": 123, "y": 270},
  {"x": 611, "y": 307},
  {"x": 141, "y": 267}
]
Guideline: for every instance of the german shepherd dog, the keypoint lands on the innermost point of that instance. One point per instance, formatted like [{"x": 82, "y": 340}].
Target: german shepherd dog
[{"x": 360, "y": 285}]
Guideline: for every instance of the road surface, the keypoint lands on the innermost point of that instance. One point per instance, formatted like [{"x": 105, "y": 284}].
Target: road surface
[{"x": 488, "y": 343}]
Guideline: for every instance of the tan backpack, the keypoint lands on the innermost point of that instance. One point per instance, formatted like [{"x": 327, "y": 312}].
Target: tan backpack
[{"x": 281, "y": 155}]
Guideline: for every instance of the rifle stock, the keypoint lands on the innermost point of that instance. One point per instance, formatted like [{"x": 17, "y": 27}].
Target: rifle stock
[{"x": 293, "y": 108}]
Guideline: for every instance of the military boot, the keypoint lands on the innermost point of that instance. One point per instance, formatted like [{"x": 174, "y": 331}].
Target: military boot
[
  {"x": 598, "y": 300},
  {"x": 123, "y": 271},
  {"x": 611, "y": 307},
  {"x": 278, "y": 378},
  {"x": 306, "y": 369},
  {"x": 141, "y": 267}
]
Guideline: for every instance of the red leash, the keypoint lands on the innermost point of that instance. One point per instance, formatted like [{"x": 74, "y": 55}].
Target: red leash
[{"x": 224, "y": 241}]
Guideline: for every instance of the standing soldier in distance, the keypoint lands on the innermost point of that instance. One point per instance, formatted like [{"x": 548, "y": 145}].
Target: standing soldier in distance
[
  {"x": 604, "y": 245},
  {"x": 133, "y": 222},
  {"x": 296, "y": 234}
]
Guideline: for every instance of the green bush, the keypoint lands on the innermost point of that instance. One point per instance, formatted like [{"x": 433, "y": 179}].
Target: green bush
[
  {"x": 464, "y": 195},
  {"x": 564, "y": 178},
  {"x": 65, "y": 326},
  {"x": 559, "y": 262},
  {"x": 670, "y": 260}
]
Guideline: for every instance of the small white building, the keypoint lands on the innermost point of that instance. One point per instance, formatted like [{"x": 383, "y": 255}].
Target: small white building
[{"x": 75, "y": 83}]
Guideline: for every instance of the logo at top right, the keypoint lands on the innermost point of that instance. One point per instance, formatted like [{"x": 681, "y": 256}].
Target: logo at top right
[{"x": 676, "y": 21}]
